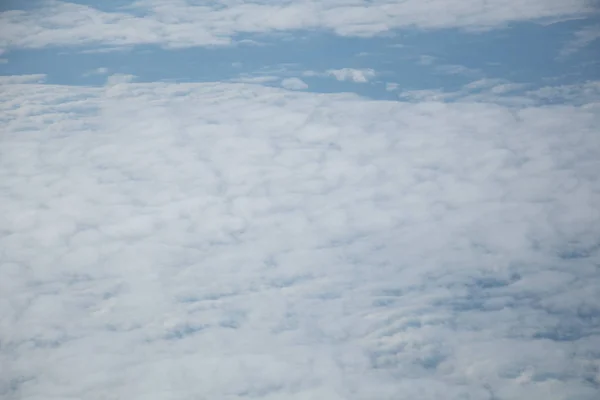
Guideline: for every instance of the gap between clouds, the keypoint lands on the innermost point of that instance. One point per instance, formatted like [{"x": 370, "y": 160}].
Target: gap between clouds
[{"x": 234, "y": 241}]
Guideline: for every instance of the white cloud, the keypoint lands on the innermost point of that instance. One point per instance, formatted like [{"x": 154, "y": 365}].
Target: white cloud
[
  {"x": 294, "y": 84},
  {"x": 188, "y": 23},
  {"x": 230, "y": 241},
  {"x": 582, "y": 93},
  {"x": 345, "y": 74},
  {"x": 97, "y": 71},
  {"x": 352, "y": 74},
  {"x": 583, "y": 38},
  {"x": 501, "y": 91},
  {"x": 17, "y": 79},
  {"x": 116, "y": 79}
]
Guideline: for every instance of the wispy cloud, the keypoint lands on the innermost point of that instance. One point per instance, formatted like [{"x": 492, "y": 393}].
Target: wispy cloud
[
  {"x": 581, "y": 93},
  {"x": 97, "y": 71},
  {"x": 510, "y": 93},
  {"x": 453, "y": 69},
  {"x": 17, "y": 79},
  {"x": 240, "y": 241},
  {"x": 426, "y": 59},
  {"x": 106, "y": 50},
  {"x": 446, "y": 69},
  {"x": 256, "y": 78},
  {"x": 391, "y": 86},
  {"x": 352, "y": 74},
  {"x": 116, "y": 79},
  {"x": 346, "y": 74},
  {"x": 186, "y": 23},
  {"x": 583, "y": 38}
]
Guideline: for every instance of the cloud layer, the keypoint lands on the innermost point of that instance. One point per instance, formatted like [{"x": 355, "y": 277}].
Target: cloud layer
[
  {"x": 188, "y": 23},
  {"x": 230, "y": 241}
]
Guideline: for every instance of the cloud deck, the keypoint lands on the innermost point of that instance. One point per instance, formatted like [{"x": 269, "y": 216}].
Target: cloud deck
[{"x": 231, "y": 241}]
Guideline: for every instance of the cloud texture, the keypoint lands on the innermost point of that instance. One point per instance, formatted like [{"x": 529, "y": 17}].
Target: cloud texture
[
  {"x": 181, "y": 23},
  {"x": 232, "y": 241}
]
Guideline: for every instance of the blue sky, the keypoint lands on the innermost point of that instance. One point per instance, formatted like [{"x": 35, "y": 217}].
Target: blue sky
[{"x": 333, "y": 200}]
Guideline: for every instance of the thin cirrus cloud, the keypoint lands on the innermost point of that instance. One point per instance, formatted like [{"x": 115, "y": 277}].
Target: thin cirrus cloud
[
  {"x": 582, "y": 38},
  {"x": 446, "y": 69},
  {"x": 186, "y": 24},
  {"x": 233, "y": 241},
  {"x": 509, "y": 93},
  {"x": 97, "y": 71}
]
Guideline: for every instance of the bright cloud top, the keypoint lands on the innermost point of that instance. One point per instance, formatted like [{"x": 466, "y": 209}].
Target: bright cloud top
[
  {"x": 351, "y": 74},
  {"x": 251, "y": 238},
  {"x": 186, "y": 23},
  {"x": 232, "y": 241}
]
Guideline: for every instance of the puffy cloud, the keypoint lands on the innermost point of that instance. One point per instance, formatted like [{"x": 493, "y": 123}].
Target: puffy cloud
[
  {"x": 187, "y": 23},
  {"x": 294, "y": 84},
  {"x": 352, "y": 74},
  {"x": 232, "y": 241},
  {"x": 116, "y": 79}
]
